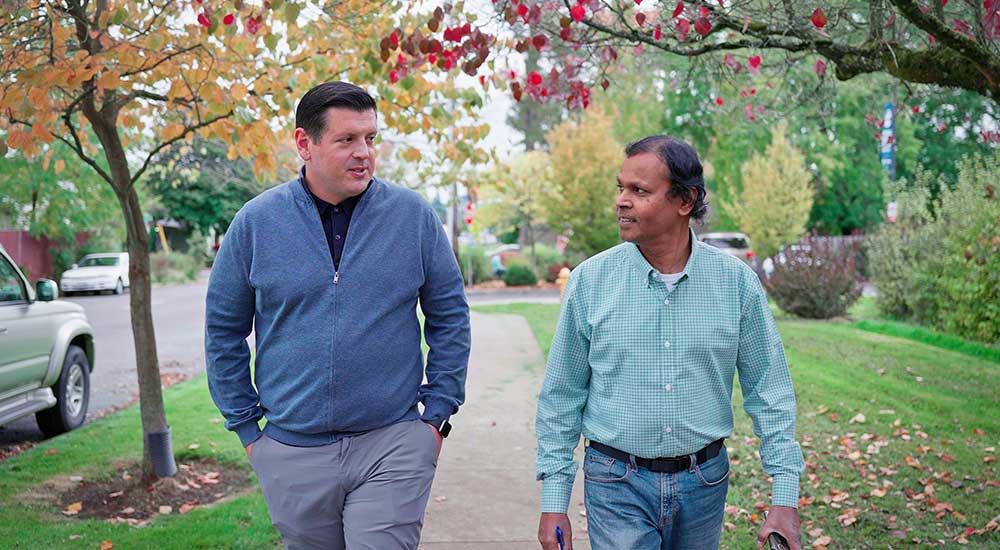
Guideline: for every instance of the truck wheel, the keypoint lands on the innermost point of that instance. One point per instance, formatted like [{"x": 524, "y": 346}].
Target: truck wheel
[{"x": 72, "y": 395}]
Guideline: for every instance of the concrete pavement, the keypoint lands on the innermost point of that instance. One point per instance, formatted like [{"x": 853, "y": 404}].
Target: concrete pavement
[{"x": 485, "y": 495}]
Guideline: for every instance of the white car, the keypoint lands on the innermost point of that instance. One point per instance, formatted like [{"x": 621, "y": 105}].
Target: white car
[{"x": 97, "y": 272}]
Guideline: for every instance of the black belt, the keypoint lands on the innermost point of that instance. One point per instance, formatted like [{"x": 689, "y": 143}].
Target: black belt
[{"x": 667, "y": 465}]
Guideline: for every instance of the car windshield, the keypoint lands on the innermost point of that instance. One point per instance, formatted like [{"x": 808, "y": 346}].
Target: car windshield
[
  {"x": 99, "y": 261},
  {"x": 727, "y": 242}
]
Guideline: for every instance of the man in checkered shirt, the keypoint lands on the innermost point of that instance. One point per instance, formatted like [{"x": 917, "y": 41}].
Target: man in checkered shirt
[{"x": 650, "y": 337}]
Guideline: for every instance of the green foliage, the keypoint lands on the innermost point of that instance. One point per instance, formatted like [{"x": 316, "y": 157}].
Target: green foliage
[
  {"x": 843, "y": 145},
  {"x": 948, "y": 127},
  {"x": 198, "y": 185},
  {"x": 939, "y": 265},
  {"x": 57, "y": 196},
  {"x": 480, "y": 264},
  {"x": 584, "y": 162},
  {"x": 520, "y": 274},
  {"x": 173, "y": 268},
  {"x": 817, "y": 280},
  {"x": 773, "y": 206},
  {"x": 509, "y": 196}
]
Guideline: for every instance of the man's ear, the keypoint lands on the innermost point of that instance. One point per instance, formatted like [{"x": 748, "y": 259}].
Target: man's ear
[
  {"x": 303, "y": 144},
  {"x": 688, "y": 205}
]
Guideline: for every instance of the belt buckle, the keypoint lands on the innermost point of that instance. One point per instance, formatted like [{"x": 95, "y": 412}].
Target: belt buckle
[{"x": 666, "y": 465}]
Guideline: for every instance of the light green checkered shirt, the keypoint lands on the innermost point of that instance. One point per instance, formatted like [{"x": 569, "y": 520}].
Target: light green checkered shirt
[{"x": 650, "y": 372}]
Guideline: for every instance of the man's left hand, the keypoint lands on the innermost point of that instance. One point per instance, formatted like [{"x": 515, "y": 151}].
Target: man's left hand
[
  {"x": 437, "y": 435},
  {"x": 784, "y": 521}
]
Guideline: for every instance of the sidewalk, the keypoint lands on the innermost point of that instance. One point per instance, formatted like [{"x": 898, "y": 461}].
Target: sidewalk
[{"x": 485, "y": 495}]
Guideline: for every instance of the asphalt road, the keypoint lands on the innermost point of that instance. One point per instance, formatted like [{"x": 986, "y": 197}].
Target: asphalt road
[{"x": 179, "y": 318}]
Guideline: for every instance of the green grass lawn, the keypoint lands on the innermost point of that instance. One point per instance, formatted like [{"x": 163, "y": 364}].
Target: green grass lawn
[
  {"x": 92, "y": 452},
  {"x": 937, "y": 396},
  {"x": 921, "y": 405}
]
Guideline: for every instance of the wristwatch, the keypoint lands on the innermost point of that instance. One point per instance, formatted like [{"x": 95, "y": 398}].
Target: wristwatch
[{"x": 442, "y": 425}]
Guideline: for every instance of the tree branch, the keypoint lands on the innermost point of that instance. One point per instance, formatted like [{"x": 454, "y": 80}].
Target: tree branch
[{"x": 169, "y": 142}]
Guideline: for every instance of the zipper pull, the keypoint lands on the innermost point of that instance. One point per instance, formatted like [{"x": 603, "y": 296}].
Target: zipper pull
[{"x": 336, "y": 277}]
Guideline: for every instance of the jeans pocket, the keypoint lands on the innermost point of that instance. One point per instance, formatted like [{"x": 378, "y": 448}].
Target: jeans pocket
[
  {"x": 714, "y": 471},
  {"x": 602, "y": 468}
]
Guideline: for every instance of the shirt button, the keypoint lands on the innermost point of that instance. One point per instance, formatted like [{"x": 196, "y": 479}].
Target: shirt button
[
  {"x": 336, "y": 209},
  {"x": 668, "y": 429},
  {"x": 668, "y": 387},
  {"x": 336, "y": 237},
  {"x": 666, "y": 301},
  {"x": 666, "y": 344}
]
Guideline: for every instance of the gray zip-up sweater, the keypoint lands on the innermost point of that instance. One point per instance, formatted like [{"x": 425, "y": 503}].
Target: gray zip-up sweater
[{"x": 337, "y": 352}]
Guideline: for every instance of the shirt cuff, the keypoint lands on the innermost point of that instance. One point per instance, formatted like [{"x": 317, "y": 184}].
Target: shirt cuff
[
  {"x": 248, "y": 432},
  {"x": 556, "y": 493},
  {"x": 785, "y": 490}
]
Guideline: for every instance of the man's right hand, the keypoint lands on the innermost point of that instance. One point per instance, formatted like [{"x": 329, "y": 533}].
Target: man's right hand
[{"x": 547, "y": 531}]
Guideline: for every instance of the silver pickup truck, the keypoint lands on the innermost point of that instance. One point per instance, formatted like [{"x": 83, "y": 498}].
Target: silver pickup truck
[{"x": 46, "y": 353}]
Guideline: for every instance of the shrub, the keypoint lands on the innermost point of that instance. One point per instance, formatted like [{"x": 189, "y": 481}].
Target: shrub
[
  {"x": 519, "y": 274},
  {"x": 173, "y": 268},
  {"x": 938, "y": 264},
  {"x": 480, "y": 264},
  {"x": 550, "y": 261},
  {"x": 816, "y": 279}
]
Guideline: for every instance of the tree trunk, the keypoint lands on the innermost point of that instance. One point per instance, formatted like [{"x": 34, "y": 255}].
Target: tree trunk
[{"x": 154, "y": 420}]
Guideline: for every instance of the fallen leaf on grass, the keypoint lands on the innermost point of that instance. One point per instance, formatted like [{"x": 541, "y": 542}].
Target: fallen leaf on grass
[
  {"x": 76, "y": 478},
  {"x": 880, "y": 492},
  {"x": 107, "y": 545},
  {"x": 989, "y": 459},
  {"x": 942, "y": 508},
  {"x": 52, "y": 452},
  {"x": 816, "y": 533},
  {"x": 194, "y": 446},
  {"x": 127, "y": 511},
  {"x": 185, "y": 508},
  {"x": 849, "y": 517},
  {"x": 116, "y": 494},
  {"x": 73, "y": 509},
  {"x": 978, "y": 432},
  {"x": 823, "y": 542},
  {"x": 857, "y": 419},
  {"x": 166, "y": 509}
]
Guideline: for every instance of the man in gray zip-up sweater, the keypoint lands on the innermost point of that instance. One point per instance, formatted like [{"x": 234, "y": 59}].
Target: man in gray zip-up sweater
[{"x": 327, "y": 270}]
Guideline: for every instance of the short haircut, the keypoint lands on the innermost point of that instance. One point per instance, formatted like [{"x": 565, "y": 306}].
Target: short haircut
[
  {"x": 310, "y": 115},
  {"x": 683, "y": 167}
]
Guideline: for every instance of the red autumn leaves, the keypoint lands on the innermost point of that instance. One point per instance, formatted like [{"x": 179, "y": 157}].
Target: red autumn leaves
[{"x": 252, "y": 23}]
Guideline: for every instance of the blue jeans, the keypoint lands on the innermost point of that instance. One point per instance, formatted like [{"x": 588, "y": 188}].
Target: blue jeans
[{"x": 631, "y": 508}]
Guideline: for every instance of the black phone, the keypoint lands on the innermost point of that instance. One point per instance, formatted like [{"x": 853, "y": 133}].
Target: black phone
[{"x": 777, "y": 542}]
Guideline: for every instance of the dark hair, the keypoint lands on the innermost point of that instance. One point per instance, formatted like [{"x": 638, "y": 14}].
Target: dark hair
[
  {"x": 684, "y": 171},
  {"x": 310, "y": 114}
]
